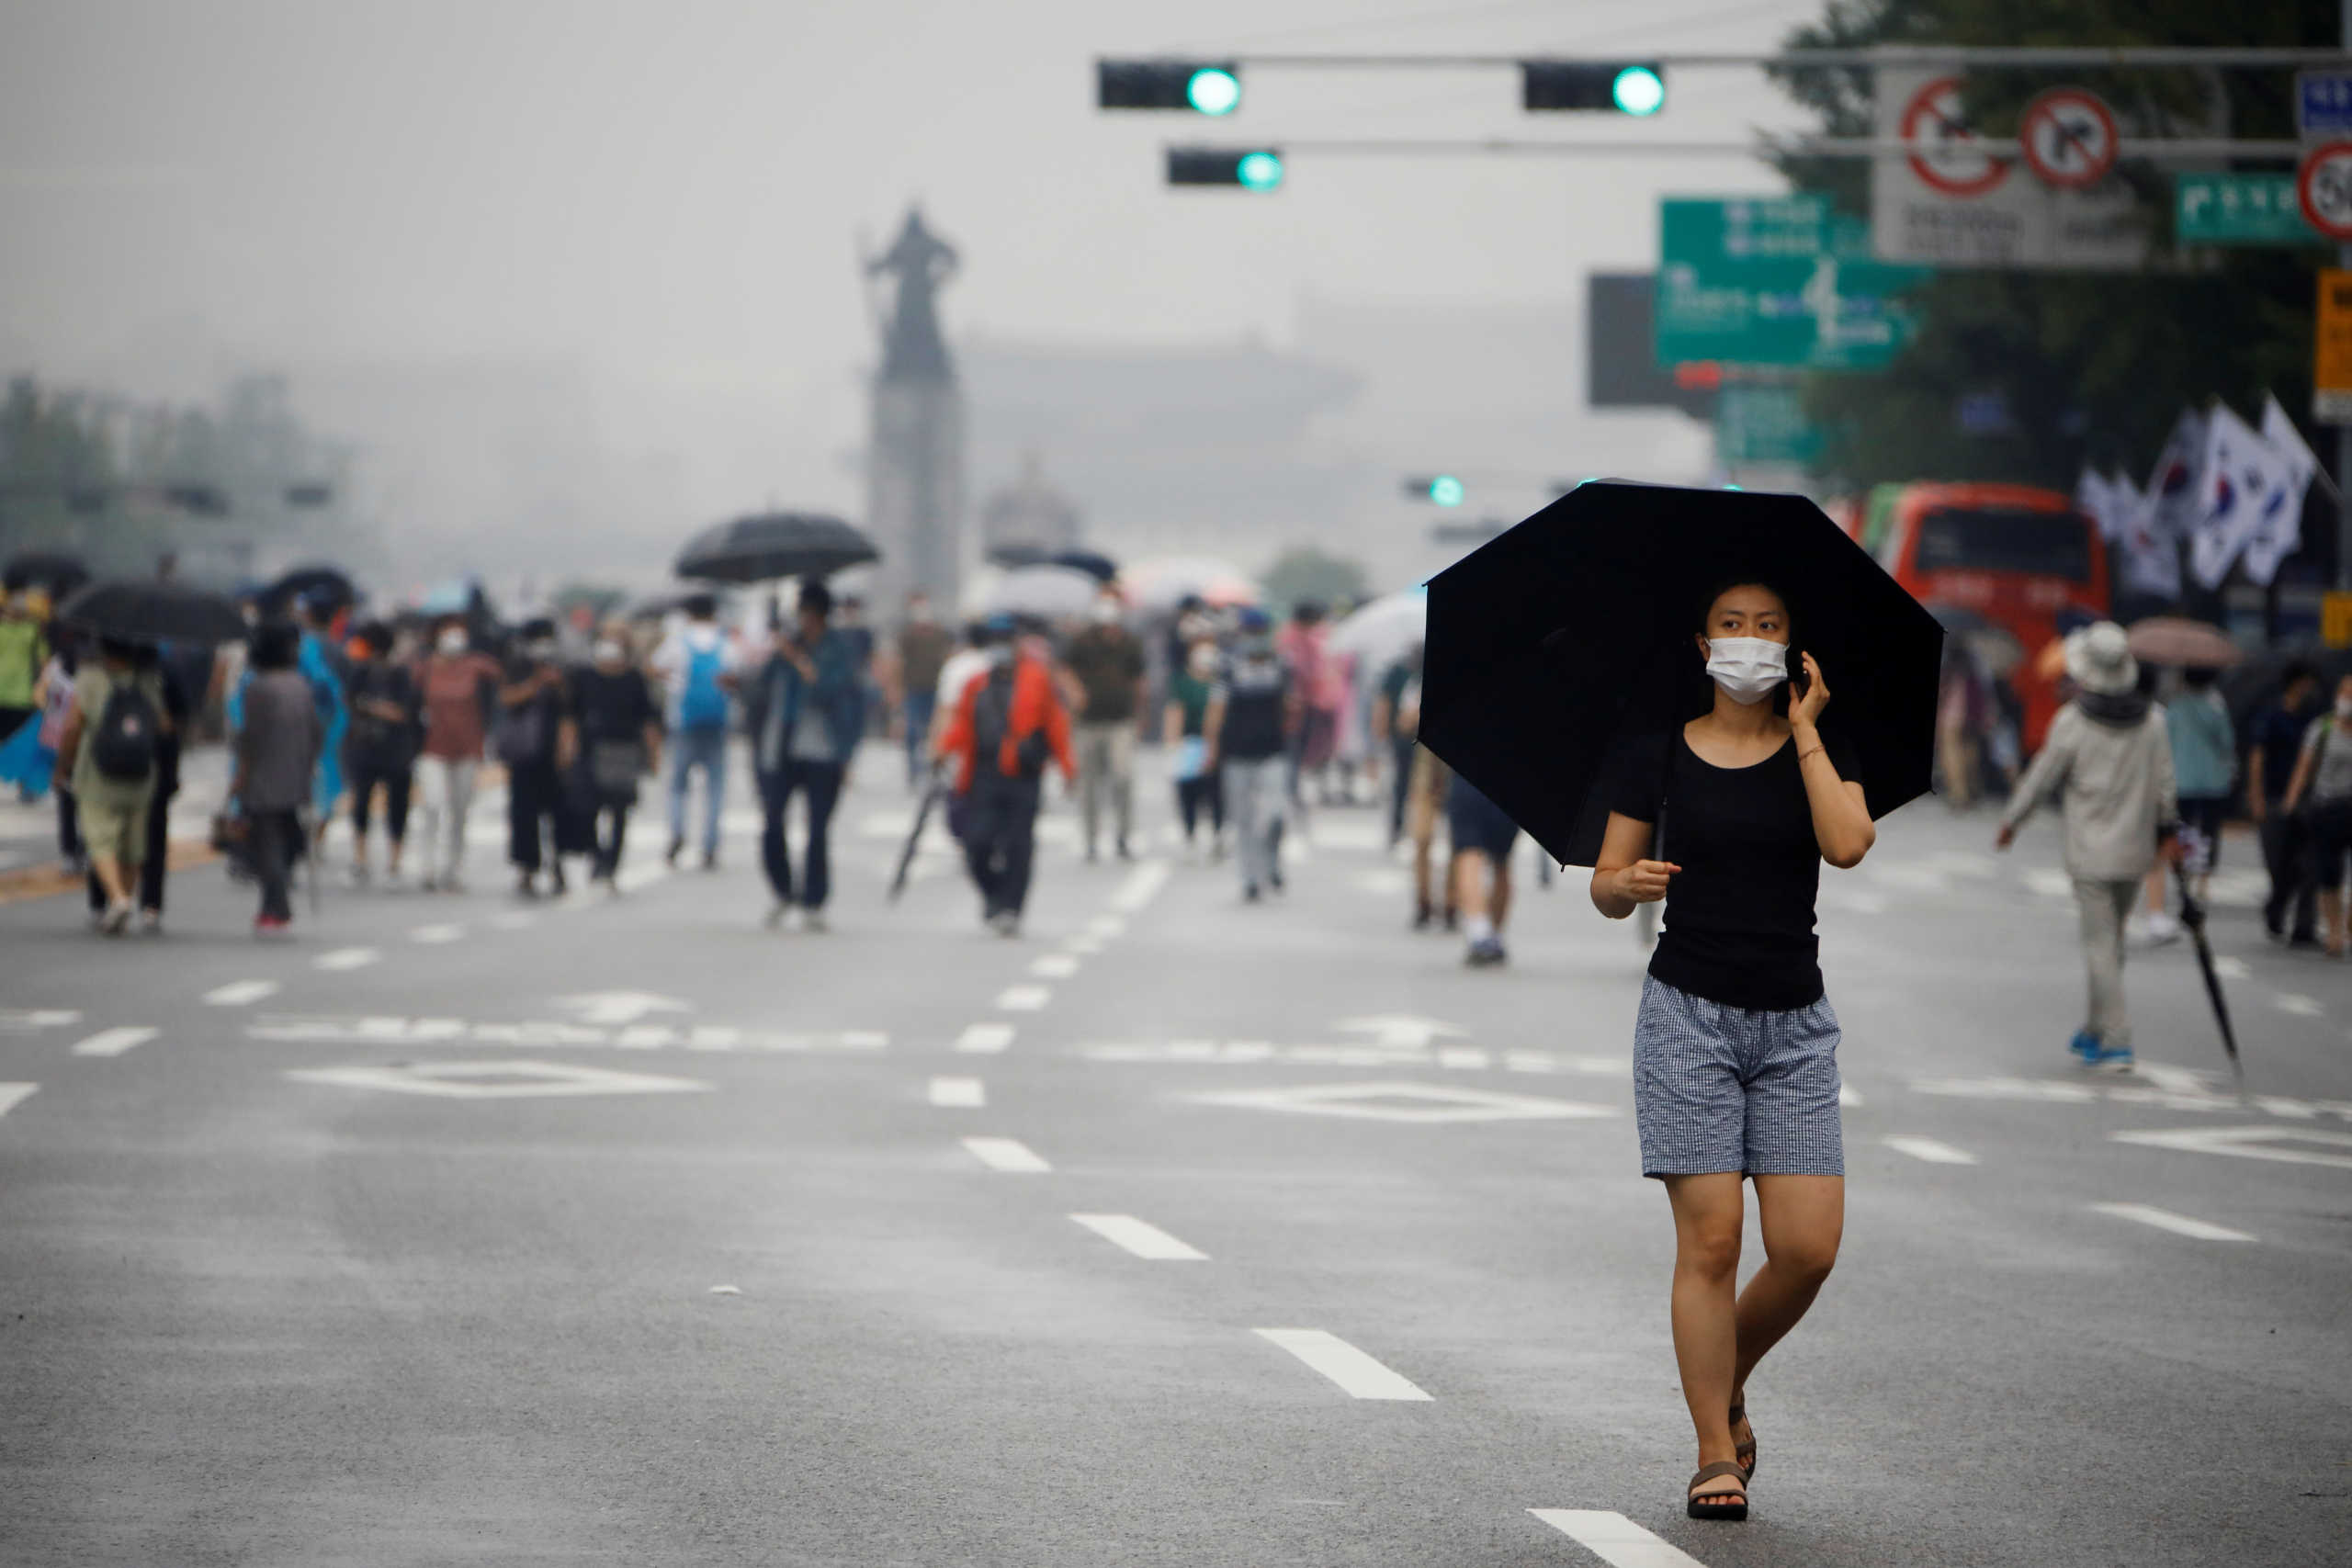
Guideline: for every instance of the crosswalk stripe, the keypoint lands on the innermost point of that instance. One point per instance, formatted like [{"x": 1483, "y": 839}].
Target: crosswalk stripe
[
  {"x": 14, "y": 1094},
  {"x": 1140, "y": 1237},
  {"x": 2166, "y": 1220},
  {"x": 343, "y": 958},
  {"x": 115, "y": 1041},
  {"x": 1928, "y": 1149},
  {"x": 1615, "y": 1540},
  {"x": 1006, "y": 1154},
  {"x": 240, "y": 993},
  {"x": 984, "y": 1039},
  {"x": 1025, "y": 998},
  {"x": 957, "y": 1091},
  {"x": 1354, "y": 1371}
]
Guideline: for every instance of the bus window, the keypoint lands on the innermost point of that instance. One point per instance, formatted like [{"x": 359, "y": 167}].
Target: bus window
[{"x": 2009, "y": 539}]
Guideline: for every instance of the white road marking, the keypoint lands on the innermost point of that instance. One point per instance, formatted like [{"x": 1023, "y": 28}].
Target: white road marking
[
  {"x": 2280, "y": 1105},
  {"x": 1141, "y": 886},
  {"x": 494, "y": 1080},
  {"x": 630, "y": 879},
  {"x": 2301, "y": 1005},
  {"x": 2166, "y": 1220},
  {"x": 555, "y": 1033},
  {"x": 1400, "y": 1029},
  {"x": 1469, "y": 1058},
  {"x": 2049, "y": 882},
  {"x": 1024, "y": 998},
  {"x": 1421, "y": 1102},
  {"x": 1142, "y": 1239},
  {"x": 1854, "y": 901},
  {"x": 1355, "y": 1372},
  {"x": 438, "y": 935},
  {"x": 345, "y": 958},
  {"x": 1054, "y": 966},
  {"x": 2251, "y": 1142},
  {"x": 24, "y": 1020},
  {"x": 1928, "y": 1149},
  {"x": 1086, "y": 945},
  {"x": 984, "y": 1039},
  {"x": 1847, "y": 1097},
  {"x": 15, "y": 1094},
  {"x": 2008, "y": 1088},
  {"x": 115, "y": 1041},
  {"x": 957, "y": 1091},
  {"x": 619, "y": 1007},
  {"x": 1006, "y": 1154},
  {"x": 2174, "y": 1080},
  {"x": 1107, "y": 926},
  {"x": 240, "y": 993},
  {"x": 1615, "y": 1540},
  {"x": 726, "y": 1289},
  {"x": 2231, "y": 967}
]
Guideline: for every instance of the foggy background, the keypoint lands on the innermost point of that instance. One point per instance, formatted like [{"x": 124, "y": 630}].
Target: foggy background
[{"x": 571, "y": 277}]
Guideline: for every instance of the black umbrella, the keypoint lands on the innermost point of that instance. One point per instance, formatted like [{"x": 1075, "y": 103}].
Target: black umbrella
[
  {"x": 1550, "y": 645},
  {"x": 324, "y": 583},
  {"x": 144, "y": 610},
  {"x": 1100, "y": 568},
  {"x": 775, "y": 545},
  {"x": 2192, "y": 915},
  {"x": 53, "y": 569}
]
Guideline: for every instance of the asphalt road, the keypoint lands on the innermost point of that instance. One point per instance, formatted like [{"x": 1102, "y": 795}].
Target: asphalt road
[{"x": 1175, "y": 1232}]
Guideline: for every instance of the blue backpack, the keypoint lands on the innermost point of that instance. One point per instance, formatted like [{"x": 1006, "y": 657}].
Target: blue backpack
[{"x": 703, "y": 704}]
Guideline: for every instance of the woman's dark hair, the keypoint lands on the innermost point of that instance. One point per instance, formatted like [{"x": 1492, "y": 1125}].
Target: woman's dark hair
[{"x": 275, "y": 645}]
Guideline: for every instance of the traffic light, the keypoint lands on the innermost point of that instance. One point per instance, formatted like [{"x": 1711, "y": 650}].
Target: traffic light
[
  {"x": 1620, "y": 86},
  {"x": 1443, "y": 490},
  {"x": 1203, "y": 86},
  {"x": 1252, "y": 168}
]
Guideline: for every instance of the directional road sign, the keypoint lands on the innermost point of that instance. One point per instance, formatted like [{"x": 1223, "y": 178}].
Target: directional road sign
[
  {"x": 2240, "y": 208},
  {"x": 1777, "y": 280}
]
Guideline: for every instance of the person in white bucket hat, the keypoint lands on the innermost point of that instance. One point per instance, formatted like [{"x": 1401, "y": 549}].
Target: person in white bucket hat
[{"x": 2109, "y": 758}]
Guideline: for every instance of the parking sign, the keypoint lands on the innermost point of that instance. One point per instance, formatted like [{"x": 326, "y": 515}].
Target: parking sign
[{"x": 2323, "y": 104}]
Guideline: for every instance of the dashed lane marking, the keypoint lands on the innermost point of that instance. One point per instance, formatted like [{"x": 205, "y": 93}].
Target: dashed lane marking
[
  {"x": 115, "y": 1041},
  {"x": 26, "y": 1021},
  {"x": 1143, "y": 1239},
  {"x": 1615, "y": 1540},
  {"x": 2301, "y": 1005},
  {"x": 1403, "y": 1101},
  {"x": 1054, "y": 966},
  {"x": 240, "y": 993},
  {"x": 1086, "y": 945},
  {"x": 2230, "y": 968},
  {"x": 435, "y": 936},
  {"x": 345, "y": 958},
  {"x": 495, "y": 1080},
  {"x": 1928, "y": 1149},
  {"x": 1024, "y": 998},
  {"x": 1006, "y": 1154},
  {"x": 2317, "y": 1147},
  {"x": 984, "y": 1039},
  {"x": 2166, "y": 1220},
  {"x": 1141, "y": 886},
  {"x": 957, "y": 1091},
  {"x": 1357, "y": 1373},
  {"x": 1107, "y": 926},
  {"x": 14, "y": 1094}
]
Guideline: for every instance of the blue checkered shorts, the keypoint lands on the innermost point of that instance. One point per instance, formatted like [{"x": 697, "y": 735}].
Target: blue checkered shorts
[{"x": 1720, "y": 1088}]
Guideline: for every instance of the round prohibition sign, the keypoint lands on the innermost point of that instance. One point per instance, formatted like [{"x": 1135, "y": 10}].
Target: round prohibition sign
[
  {"x": 1955, "y": 162},
  {"x": 2069, "y": 137},
  {"x": 2324, "y": 190}
]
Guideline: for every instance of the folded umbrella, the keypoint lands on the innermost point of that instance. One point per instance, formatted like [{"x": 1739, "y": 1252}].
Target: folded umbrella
[
  {"x": 146, "y": 611},
  {"x": 2180, "y": 641},
  {"x": 1552, "y": 644},
  {"x": 2192, "y": 915},
  {"x": 775, "y": 545}
]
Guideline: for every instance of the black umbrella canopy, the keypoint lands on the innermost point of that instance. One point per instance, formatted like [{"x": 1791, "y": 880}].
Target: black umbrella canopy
[
  {"x": 1551, "y": 644},
  {"x": 146, "y": 611},
  {"x": 54, "y": 570},
  {"x": 775, "y": 545},
  {"x": 325, "y": 583}
]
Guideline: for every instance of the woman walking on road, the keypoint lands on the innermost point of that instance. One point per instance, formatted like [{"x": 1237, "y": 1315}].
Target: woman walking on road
[
  {"x": 612, "y": 737},
  {"x": 276, "y": 759},
  {"x": 456, "y": 689},
  {"x": 1735, "y": 1047}
]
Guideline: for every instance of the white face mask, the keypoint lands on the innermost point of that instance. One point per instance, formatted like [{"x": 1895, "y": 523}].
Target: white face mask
[
  {"x": 610, "y": 652},
  {"x": 452, "y": 642},
  {"x": 1746, "y": 668},
  {"x": 1105, "y": 613}
]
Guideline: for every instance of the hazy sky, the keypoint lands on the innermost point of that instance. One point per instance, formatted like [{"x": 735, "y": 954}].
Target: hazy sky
[{"x": 667, "y": 194}]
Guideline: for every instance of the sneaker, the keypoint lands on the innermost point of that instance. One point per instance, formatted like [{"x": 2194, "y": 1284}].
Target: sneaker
[
  {"x": 1484, "y": 953},
  {"x": 670, "y": 856},
  {"x": 1423, "y": 916},
  {"x": 2113, "y": 1059},
  {"x": 814, "y": 921},
  {"x": 270, "y": 925},
  {"x": 2086, "y": 1046},
  {"x": 151, "y": 921},
  {"x": 117, "y": 919},
  {"x": 1125, "y": 853},
  {"x": 358, "y": 876},
  {"x": 391, "y": 877},
  {"x": 1250, "y": 893},
  {"x": 710, "y": 860},
  {"x": 556, "y": 881},
  {"x": 1275, "y": 877},
  {"x": 773, "y": 920},
  {"x": 2156, "y": 929},
  {"x": 429, "y": 882},
  {"x": 526, "y": 886},
  {"x": 1004, "y": 922}
]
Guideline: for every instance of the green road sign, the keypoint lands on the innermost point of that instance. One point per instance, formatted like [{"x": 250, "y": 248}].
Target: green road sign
[
  {"x": 2225, "y": 209},
  {"x": 1776, "y": 280},
  {"x": 1763, "y": 424}
]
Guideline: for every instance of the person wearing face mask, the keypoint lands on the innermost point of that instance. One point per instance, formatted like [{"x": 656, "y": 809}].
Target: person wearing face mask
[
  {"x": 1106, "y": 666},
  {"x": 2108, "y": 757},
  {"x": 1007, "y": 725},
  {"x": 611, "y": 738},
  {"x": 1183, "y": 727},
  {"x": 1736, "y": 1045},
  {"x": 379, "y": 750},
  {"x": 2323, "y": 785},
  {"x": 1254, "y": 710},
  {"x": 531, "y": 702},
  {"x": 456, "y": 691}
]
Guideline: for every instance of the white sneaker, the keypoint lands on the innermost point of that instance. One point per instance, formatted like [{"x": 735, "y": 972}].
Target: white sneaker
[
  {"x": 2160, "y": 929},
  {"x": 814, "y": 921}
]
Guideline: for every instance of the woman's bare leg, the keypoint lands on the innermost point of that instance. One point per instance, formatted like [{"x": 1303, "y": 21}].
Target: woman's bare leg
[
  {"x": 1802, "y": 1219},
  {"x": 1706, "y": 1317}
]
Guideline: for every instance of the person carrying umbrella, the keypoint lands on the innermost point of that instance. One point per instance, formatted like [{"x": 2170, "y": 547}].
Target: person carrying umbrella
[
  {"x": 1008, "y": 723},
  {"x": 2108, "y": 753}
]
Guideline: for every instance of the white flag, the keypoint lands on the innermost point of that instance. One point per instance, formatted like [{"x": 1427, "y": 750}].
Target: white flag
[
  {"x": 2151, "y": 559},
  {"x": 2234, "y": 486},
  {"x": 2174, "y": 484},
  {"x": 2095, "y": 499},
  {"x": 2280, "y": 532}
]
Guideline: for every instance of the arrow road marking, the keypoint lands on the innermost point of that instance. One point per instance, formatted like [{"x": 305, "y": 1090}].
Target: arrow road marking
[
  {"x": 343, "y": 958},
  {"x": 240, "y": 993},
  {"x": 1354, "y": 1371},
  {"x": 15, "y": 1094},
  {"x": 1615, "y": 1540},
  {"x": 115, "y": 1041},
  {"x": 957, "y": 1091},
  {"x": 1928, "y": 1149},
  {"x": 2166, "y": 1220},
  {"x": 619, "y": 1007},
  {"x": 984, "y": 1039},
  {"x": 1006, "y": 1154},
  {"x": 1143, "y": 1240}
]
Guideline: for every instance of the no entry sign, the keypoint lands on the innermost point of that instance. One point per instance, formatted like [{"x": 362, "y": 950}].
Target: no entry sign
[
  {"x": 2324, "y": 188},
  {"x": 2069, "y": 138}
]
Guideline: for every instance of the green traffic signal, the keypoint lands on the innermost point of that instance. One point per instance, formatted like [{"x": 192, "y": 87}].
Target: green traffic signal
[
  {"x": 1621, "y": 87},
  {"x": 1638, "y": 89},
  {"x": 1200, "y": 87},
  {"x": 1259, "y": 171},
  {"x": 1214, "y": 90},
  {"x": 1446, "y": 491},
  {"x": 1251, "y": 168}
]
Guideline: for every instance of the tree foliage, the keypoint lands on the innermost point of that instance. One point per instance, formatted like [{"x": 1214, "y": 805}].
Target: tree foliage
[{"x": 1307, "y": 574}]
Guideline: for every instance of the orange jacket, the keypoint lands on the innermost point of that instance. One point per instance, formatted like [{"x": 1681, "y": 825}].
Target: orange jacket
[{"x": 1036, "y": 705}]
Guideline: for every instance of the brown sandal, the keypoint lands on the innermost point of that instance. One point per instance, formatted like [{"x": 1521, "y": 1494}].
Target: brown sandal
[
  {"x": 1729, "y": 1506},
  {"x": 1744, "y": 1448}
]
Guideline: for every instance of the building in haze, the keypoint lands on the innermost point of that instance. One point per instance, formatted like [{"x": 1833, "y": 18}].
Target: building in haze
[{"x": 1029, "y": 515}]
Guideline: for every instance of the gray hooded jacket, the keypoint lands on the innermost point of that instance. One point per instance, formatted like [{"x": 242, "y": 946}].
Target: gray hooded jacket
[{"x": 2114, "y": 782}]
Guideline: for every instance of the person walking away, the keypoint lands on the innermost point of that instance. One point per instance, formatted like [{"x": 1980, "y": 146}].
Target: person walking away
[
  {"x": 2279, "y": 727},
  {"x": 1106, "y": 662},
  {"x": 696, "y": 668},
  {"x": 1007, "y": 725},
  {"x": 275, "y": 762},
  {"x": 922, "y": 649},
  {"x": 155, "y": 863},
  {"x": 379, "y": 747},
  {"x": 1735, "y": 1044},
  {"x": 806, "y": 706},
  {"x": 322, "y": 667},
  {"x": 1184, "y": 725},
  {"x": 1253, "y": 710},
  {"x": 2107, "y": 759},
  {"x": 2204, "y": 765},
  {"x": 110, "y": 750},
  {"x": 23, "y": 651},
  {"x": 2323, "y": 785},
  {"x": 456, "y": 689},
  {"x": 531, "y": 702},
  {"x": 1482, "y": 836},
  {"x": 966, "y": 665},
  {"x": 1391, "y": 732},
  {"x": 611, "y": 738}
]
